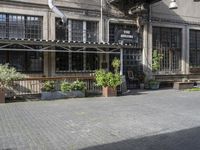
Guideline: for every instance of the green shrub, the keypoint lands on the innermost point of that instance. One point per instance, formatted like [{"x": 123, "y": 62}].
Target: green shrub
[
  {"x": 116, "y": 64},
  {"x": 78, "y": 86},
  {"x": 8, "y": 75},
  {"x": 101, "y": 78},
  {"x": 109, "y": 79},
  {"x": 113, "y": 80},
  {"x": 65, "y": 86},
  {"x": 48, "y": 86},
  {"x": 153, "y": 82},
  {"x": 156, "y": 59}
]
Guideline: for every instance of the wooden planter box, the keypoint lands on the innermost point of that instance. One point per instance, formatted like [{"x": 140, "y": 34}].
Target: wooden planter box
[
  {"x": 109, "y": 92},
  {"x": 2, "y": 95},
  {"x": 60, "y": 95}
]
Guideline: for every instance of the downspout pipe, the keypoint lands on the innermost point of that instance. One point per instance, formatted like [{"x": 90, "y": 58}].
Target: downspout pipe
[{"x": 58, "y": 12}]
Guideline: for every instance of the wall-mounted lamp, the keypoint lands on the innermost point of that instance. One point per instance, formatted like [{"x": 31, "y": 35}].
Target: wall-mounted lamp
[{"x": 173, "y": 4}]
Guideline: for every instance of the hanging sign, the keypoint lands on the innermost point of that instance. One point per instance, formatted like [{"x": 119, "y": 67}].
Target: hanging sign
[{"x": 126, "y": 36}]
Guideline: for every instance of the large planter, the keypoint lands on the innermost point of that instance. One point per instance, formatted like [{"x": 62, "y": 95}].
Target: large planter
[
  {"x": 109, "y": 92},
  {"x": 154, "y": 85},
  {"x": 2, "y": 95},
  {"x": 61, "y": 95}
]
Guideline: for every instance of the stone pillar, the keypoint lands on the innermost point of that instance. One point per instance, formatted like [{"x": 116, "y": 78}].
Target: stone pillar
[
  {"x": 52, "y": 36},
  {"x": 84, "y": 40},
  {"x": 70, "y": 39},
  {"x": 149, "y": 51},
  {"x": 45, "y": 36},
  {"x": 121, "y": 60},
  {"x": 187, "y": 60},
  {"x": 184, "y": 50},
  {"x": 145, "y": 49}
]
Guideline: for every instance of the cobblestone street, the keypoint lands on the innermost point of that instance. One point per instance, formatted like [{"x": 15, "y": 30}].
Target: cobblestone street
[{"x": 152, "y": 120}]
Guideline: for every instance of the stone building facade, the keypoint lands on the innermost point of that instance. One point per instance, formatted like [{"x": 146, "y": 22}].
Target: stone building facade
[{"x": 174, "y": 33}]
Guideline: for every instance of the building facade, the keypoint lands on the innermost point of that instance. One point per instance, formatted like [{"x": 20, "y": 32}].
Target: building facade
[{"x": 174, "y": 33}]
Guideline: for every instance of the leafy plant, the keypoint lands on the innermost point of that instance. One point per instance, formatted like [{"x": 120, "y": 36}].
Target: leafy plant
[
  {"x": 116, "y": 64},
  {"x": 78, "y": 85},
  {"x": 156, "y": 59},
  {"x": 153, "y": 82},
  {"x": 109, "y": 79},
  {"x": 65, "y": 86},
  {"x": 48, "y": 86},
  {"x": 101, "y": 78},
  {"x": 113, "y": 80},
  {"x": 8, "y": 75}
]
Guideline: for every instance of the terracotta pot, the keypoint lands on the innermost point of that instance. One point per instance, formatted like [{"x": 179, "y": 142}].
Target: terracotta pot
[
  {"x": 109, "y": 92},
  {"x": 2, "y": 95}
]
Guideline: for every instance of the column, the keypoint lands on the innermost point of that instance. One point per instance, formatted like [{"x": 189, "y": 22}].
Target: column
[
  {"x": 184, "y": 50},
  {"x": 70, "y": 39},
  {"x": 145, "y": 49},
  {"x": 84, "y": 40},
  {"x": 187, "y": 60},
  {"x": 149, "y": 51},
  {"x": 121, "y": 60}
]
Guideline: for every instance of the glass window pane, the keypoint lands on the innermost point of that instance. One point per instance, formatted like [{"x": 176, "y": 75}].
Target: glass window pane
[
  {"x": 61, "y": 31},
  {"x": 92, "y": 35},
  {"x": 2, "y": 57},
  {"x": 77, "y": 30},
  {"x": 17, "y": 60},
  {"x": 62, "y": 61},
  {"x": 33, "y": 27},
  {"x": 3, "y": 27},
  {"x": 34, "y": 61},
  {"x": 16, "y": 26},
  {"x": 77, "y": 61},
  {"x": 92, "y": 61}
]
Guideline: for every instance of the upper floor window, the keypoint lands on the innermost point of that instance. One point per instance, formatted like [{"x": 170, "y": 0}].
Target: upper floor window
[
  {"x": 77, "y": 30},
  {"x": 91, "y": 31},
  {"x": 20, "y": 26}
]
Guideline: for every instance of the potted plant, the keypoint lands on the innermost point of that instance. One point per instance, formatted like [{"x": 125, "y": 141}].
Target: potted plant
[
  {"x": 48, "y": 90},
  {"x": 7, "y": 76},
  {"x": 108, "y": 80},
  {"x": 68, "y": 90},
  {"x": 75, "y": 89},
  {"x": 156, "y": 59}
]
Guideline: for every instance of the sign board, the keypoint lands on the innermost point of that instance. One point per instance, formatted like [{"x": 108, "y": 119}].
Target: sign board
[{"x": 126, "y": 36}]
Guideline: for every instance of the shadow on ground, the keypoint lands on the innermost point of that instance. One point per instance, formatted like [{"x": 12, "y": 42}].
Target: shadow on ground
[{"x": 182, "y": 140}]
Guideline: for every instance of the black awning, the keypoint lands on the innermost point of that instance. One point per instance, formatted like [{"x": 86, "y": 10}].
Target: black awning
[{"x": 60, "y": 46}]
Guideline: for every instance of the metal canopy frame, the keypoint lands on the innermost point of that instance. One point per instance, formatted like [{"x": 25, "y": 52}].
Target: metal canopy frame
[{"x": 60, "y": 46}]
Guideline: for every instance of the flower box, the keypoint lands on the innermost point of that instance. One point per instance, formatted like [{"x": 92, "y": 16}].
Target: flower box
[{"x": 61, "y": 95}]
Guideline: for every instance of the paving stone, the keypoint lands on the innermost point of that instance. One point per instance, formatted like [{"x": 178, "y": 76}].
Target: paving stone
[{"x": 149, "y": 120}]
